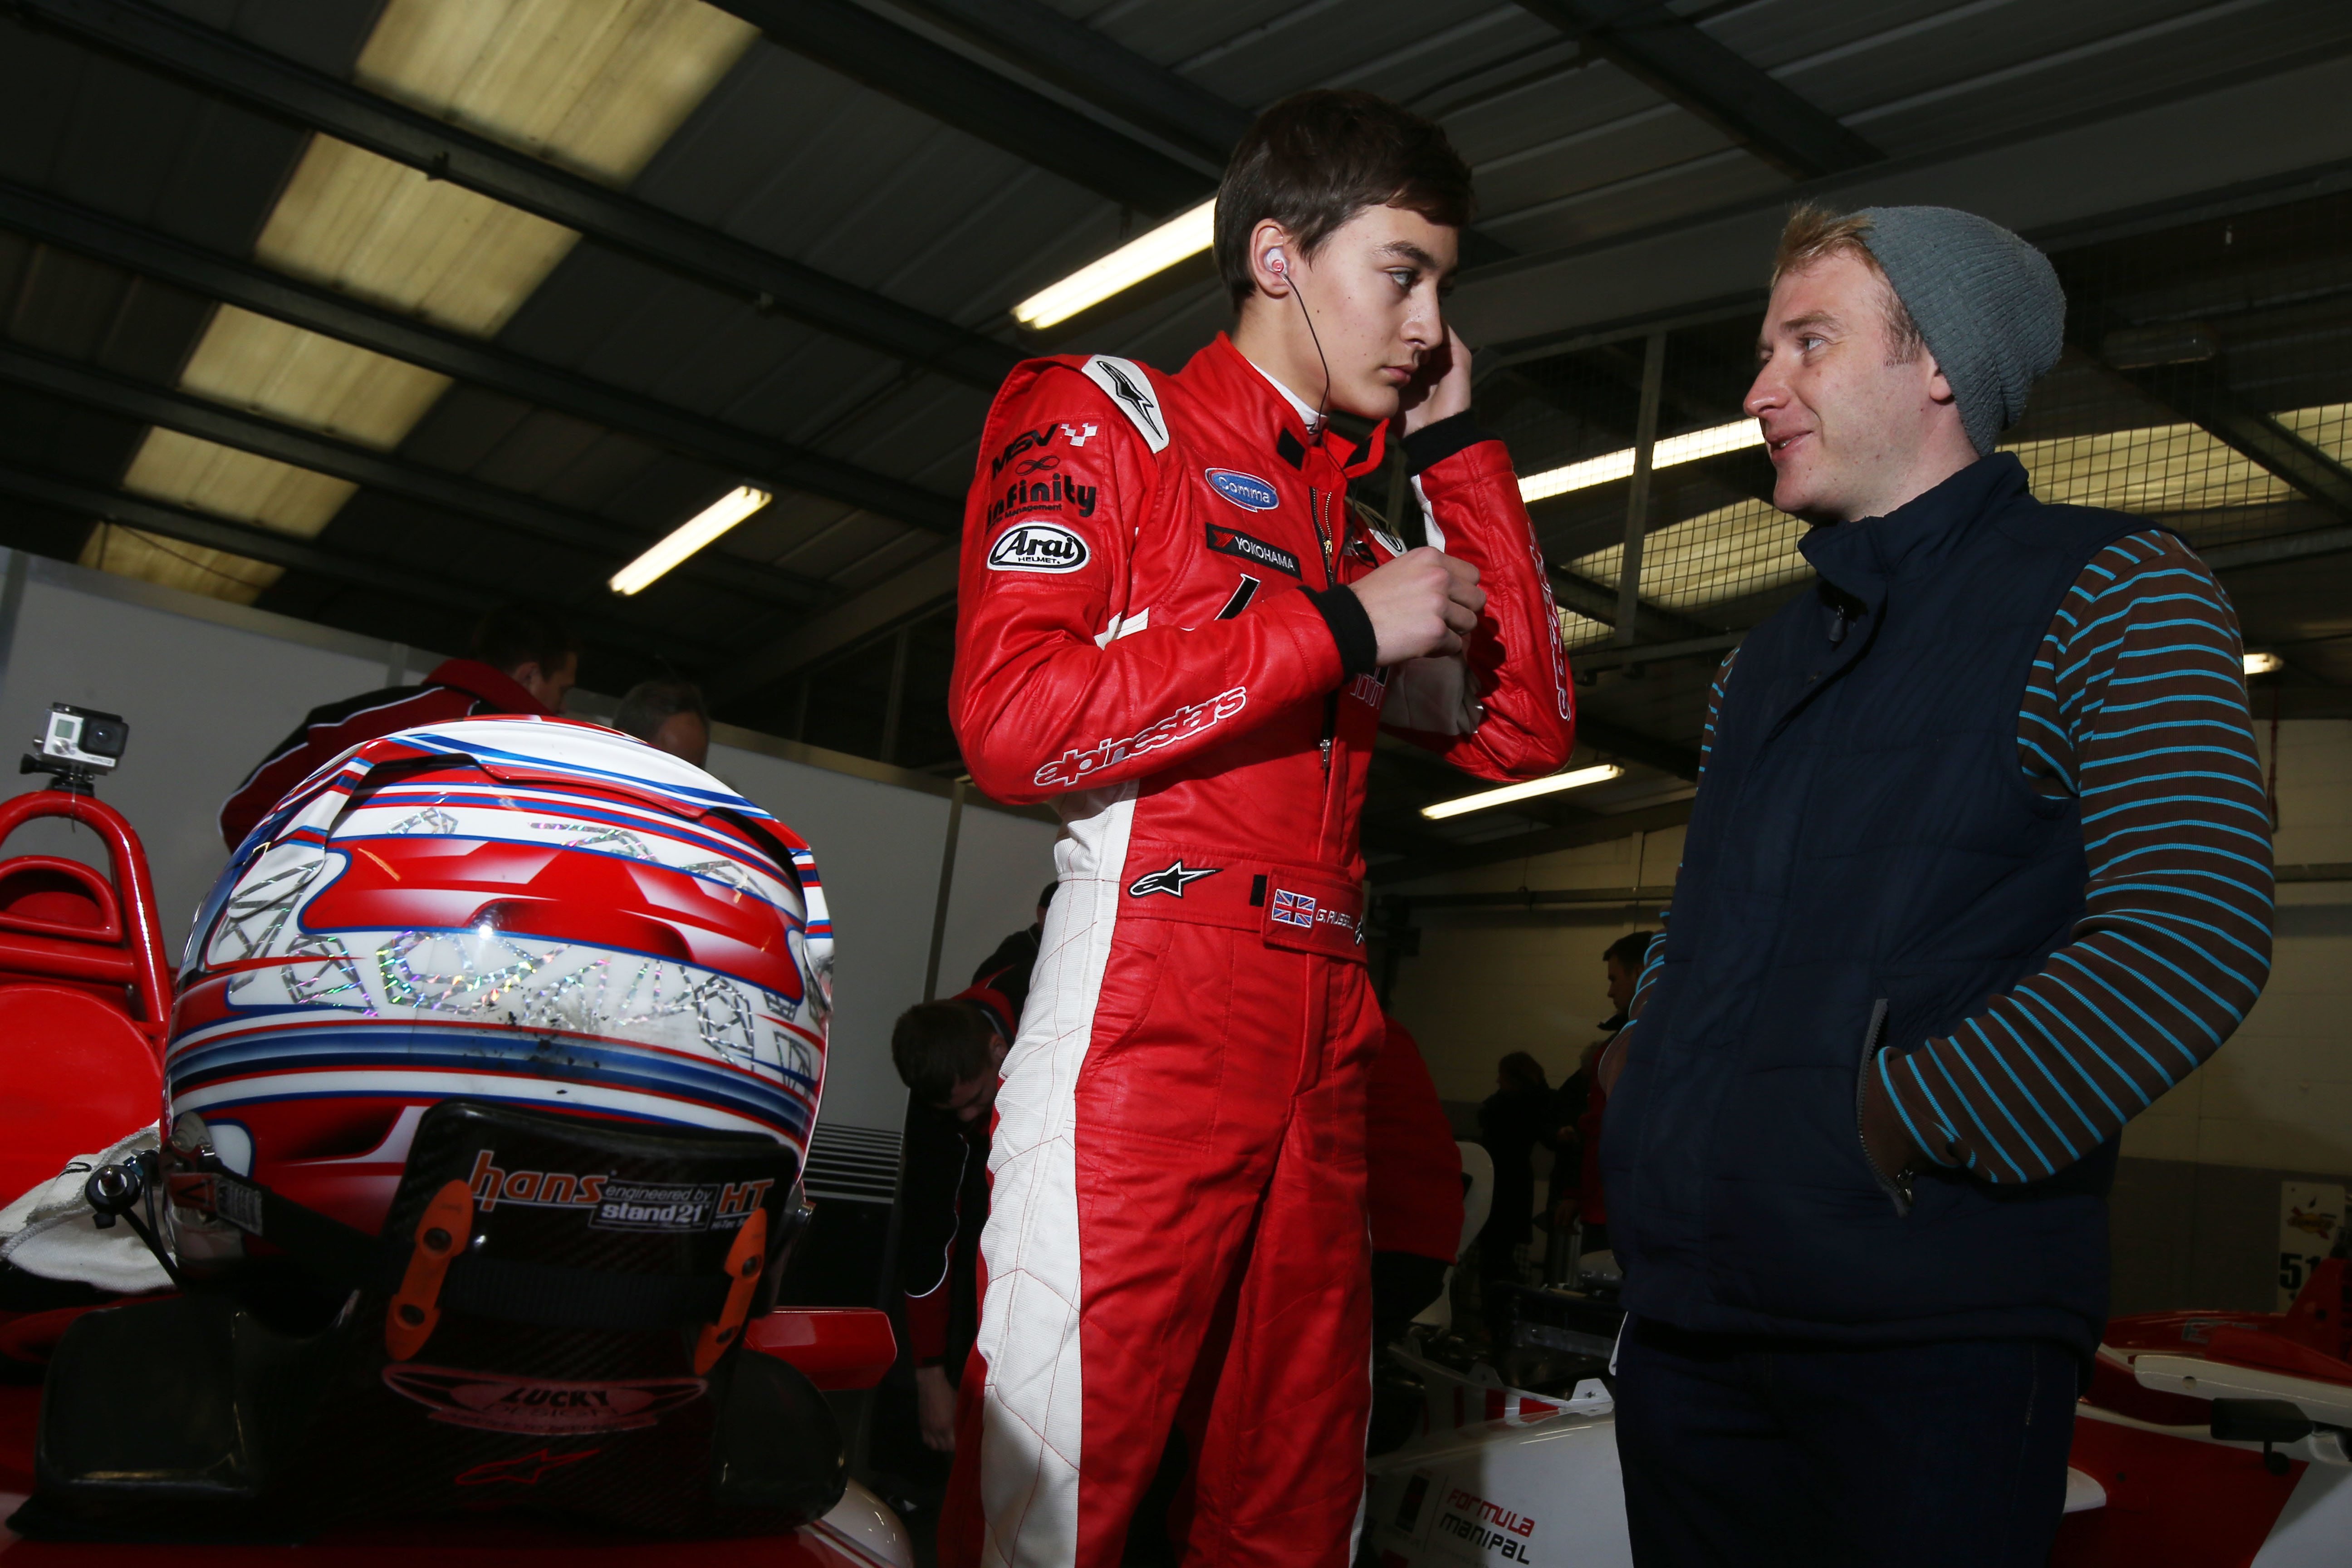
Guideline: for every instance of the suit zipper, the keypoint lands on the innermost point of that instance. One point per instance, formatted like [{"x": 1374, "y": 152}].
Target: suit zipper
[
  {"x": 1315, "y": 503},
  {"x": 1897, "y": 1192}
]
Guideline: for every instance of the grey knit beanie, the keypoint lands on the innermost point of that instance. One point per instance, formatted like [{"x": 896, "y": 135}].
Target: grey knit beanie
[{"x": 1987, "y": 303}]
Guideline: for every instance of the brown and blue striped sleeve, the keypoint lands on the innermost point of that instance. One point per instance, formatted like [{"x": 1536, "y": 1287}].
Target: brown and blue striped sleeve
[{"x": 2136, "y": 707}]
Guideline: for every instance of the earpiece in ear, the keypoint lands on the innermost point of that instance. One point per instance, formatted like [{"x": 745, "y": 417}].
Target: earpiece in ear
[{"x": 1275, "y": 264}]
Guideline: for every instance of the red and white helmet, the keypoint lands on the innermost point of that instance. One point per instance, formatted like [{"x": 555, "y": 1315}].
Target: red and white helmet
[{"x": 531, "y": 912}]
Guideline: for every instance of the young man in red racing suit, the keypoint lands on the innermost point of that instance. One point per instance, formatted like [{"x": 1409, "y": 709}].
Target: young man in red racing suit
[{"x": 1175, "y": 629}]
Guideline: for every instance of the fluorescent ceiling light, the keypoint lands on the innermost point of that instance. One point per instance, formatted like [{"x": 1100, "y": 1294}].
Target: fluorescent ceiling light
[
  {"x": 1712, "y": 442},
  {"x": 1549, "y": 784},
  {"x": 1187, "y": 234},
  {"x": 2265, "y": 664},
  {"x": 690, "y": 536}
]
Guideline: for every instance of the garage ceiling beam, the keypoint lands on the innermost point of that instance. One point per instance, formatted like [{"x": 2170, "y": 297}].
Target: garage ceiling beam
[
  {"x": 1596, "y": 601},
  {"x": 1634, "y": 746},
  {"x": 1687, "y": 65},
  {"x": 757, "y": 458},
  {"x": 955, "y": 90},
  {"x": 1542, "y": 841},
  {"x": 294, "y": 554},
  {"x": 271, "y": 84},
  {"x": 247, "y": 432},
  {"x": 1095, "y": 70},
  {"x": 2199, "y": 392}
]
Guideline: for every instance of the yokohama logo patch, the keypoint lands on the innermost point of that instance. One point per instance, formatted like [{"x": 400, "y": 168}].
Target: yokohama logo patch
[
  {"x": 1037, "y": 547},
  {"x": 1073, "y": 767},
  {"x": 496, "y": 1403},
  {"x": 1232, "y": 541}
]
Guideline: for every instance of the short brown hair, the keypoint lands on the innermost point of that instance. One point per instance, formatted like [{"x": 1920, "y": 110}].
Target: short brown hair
[
  {"x": 1319, "y": 158},
  {"x": 1813, "y": 234},
  {"x": 939, "y": 1044},
  {"x": 509, "y": 637}
]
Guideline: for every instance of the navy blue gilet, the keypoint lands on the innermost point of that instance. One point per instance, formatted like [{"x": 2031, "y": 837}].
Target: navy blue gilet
[{"x": 1866, "y": 864}]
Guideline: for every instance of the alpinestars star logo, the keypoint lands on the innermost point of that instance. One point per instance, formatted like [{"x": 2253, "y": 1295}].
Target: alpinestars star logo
[
  {"x": 1170, "y": 879},
  {"x": 1145, "y": 410}
]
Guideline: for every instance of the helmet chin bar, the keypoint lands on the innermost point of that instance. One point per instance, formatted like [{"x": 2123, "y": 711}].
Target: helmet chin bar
[{"x": 549, "y": 1294}]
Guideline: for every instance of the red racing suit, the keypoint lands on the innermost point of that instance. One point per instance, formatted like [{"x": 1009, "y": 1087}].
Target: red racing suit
[{"x": 1156, "y": 635}]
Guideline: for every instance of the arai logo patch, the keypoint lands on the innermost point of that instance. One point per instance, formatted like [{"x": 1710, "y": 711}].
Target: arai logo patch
[
  {"x": 1037, "y": 547},
  {"x": 1244, "y": 490}
]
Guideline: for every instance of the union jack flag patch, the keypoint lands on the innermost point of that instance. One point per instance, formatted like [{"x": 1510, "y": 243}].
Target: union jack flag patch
[{"x": 1293, "y": 909}]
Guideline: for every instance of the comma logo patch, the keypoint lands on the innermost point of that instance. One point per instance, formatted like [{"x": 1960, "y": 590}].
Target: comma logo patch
[
  {"x": 1244, "y": 490},
  {"x": 1037, "y": 547}
]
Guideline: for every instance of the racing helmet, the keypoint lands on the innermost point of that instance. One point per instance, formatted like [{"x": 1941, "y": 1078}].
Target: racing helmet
[{"x": 528, "y": 912}]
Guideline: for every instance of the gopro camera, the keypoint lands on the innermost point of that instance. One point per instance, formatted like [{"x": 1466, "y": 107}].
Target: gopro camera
[{"x": 77, "y": 745}]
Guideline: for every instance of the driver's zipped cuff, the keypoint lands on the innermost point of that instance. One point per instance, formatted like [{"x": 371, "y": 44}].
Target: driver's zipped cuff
[{"x": 1351, "y": 629}]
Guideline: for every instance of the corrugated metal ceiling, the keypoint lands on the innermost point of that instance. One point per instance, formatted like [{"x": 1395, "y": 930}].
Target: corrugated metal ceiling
[{"x": 1569, "y": 146}]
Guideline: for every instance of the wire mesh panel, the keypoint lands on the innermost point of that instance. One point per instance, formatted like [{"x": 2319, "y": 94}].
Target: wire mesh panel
[{"x": 2206, "y": 385}]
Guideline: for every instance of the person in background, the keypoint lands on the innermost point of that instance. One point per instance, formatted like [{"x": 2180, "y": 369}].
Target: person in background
[
  {"x": 947, "y": 1054},
  {"x": 1578, "y": 1193},
  {"x": 1018, "y": 951},
  {"x": 520, "y": 660},
  {"x": 1521, "y": 1113},
  {"x": 1413, "y": 1190},
  {"x": 1979, "y": 866},
  {"x": 668, "y": 714}
]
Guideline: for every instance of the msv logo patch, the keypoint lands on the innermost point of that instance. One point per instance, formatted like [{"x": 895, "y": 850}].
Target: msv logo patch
[
  {"x": 1245, "y": 490},
  {"x": 1232, "y": 541},
  {"x": 1037, "y": 547}
]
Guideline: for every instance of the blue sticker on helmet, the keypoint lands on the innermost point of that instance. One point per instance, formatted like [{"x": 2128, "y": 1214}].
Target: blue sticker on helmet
[{"x": 1244, "y": 490}]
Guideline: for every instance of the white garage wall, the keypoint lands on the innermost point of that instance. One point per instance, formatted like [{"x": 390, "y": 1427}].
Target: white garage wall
[
  {"x": 1489, "y": 981},
  {"x": 210, "y": 688},
  {"x": 2279, "y": 1094}
]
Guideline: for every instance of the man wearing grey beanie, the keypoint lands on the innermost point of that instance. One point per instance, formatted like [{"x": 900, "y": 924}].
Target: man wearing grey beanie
[{"x": 1979, "y": 866}]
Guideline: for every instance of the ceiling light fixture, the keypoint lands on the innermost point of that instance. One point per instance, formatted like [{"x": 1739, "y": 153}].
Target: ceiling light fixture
[
  {"x": 2265, "y": 664},
  {"x": 1712, "y": 442},
  {"x": 1186, "y": 234},
  {"x": 1550, "y": 783},
  {"x": 688, "y": 537}
]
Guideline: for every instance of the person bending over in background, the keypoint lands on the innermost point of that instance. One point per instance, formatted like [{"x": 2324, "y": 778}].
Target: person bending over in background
[
  {"x": 1175, "y": 625},
  {"x": 668, "y": 714},
  {"x": 1980, "y": 866},
  {"x": 1018, "y": 951},
  {"x": 520, "y": 660},
  {"x": 1523, "y": 1113},
  {"x": 947, "y": 1054}
]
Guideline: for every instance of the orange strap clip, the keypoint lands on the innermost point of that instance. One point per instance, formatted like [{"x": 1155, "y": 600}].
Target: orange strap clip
[
  {"x": 744, "y": 1261},
  {"x": 441, "y": 1235}
]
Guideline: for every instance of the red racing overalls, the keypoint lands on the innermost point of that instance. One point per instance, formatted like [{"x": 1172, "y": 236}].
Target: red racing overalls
[{"x": 1155, "y": 635}]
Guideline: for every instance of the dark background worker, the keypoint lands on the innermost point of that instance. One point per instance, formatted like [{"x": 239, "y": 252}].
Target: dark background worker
[
  {"x": 1523, "y": 1113},
  {"x": 1018, "y": 951},
  {"x": 670, "y": 714},
  {"x": 1576, "y": 1191},
  {"x": 947, "y": 1054},
  {"x": 520, "y": 660}
]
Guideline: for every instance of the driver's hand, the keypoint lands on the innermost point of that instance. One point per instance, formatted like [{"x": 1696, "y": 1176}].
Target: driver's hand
[{"x": 1423, "y": 601}]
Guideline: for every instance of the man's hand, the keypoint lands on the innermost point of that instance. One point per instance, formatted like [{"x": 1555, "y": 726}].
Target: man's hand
[
  {"x": 935, "y": 1402},
  {"x": 1440, "y": 388},
  {"x": 1421, "y": 603},
  {"x": 1885, "y": 1141}
]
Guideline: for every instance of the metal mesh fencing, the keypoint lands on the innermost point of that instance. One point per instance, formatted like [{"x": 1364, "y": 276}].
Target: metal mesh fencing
[{"x": 2207, "y": 386}]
